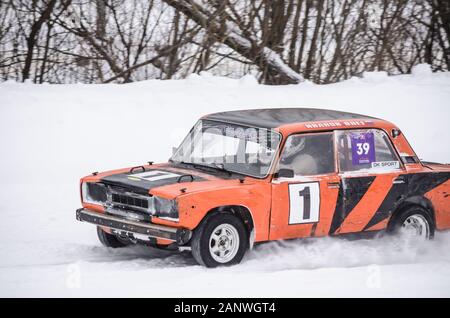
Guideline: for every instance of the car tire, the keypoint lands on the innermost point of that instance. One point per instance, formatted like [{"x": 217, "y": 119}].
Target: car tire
[
  {"x": 415, "y": 219},
  {"x": 110, "y": 240},
  {"x": 220, "y": 240}
]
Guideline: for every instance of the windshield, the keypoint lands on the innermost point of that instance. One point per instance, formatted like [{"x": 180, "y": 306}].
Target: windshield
[{"x": 235, "y": 148}]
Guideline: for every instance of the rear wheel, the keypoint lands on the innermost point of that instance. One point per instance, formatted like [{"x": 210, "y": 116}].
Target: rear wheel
[
  {"x": 220, "y": 240},
  {"x": 110, "y": 240},
  {"x": 414, "y": 222}
]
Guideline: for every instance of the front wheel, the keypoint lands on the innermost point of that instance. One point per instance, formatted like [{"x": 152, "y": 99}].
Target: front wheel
[
  {"x": 414, "y": 222},
  {"x": 220, "y": 240},
  {"x": 110, "y": 240}
]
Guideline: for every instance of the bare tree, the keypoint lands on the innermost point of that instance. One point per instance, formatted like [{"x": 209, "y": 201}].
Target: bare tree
[
  {"x": 440, "y": 27},
  {"x": 284, "y": 41},
  {"x": 43, "y": 15},
  {"x": 219, "y": 20}
]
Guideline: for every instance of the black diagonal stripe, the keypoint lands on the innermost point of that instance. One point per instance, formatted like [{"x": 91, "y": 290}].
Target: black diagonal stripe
[
  {"x": 338, "y": 217},
  {"x": 388, "y": 205},
  {"x": 421, "y": 183},
  {"x": 351, "y": 191},
  {"x": 417, "y": 184}
]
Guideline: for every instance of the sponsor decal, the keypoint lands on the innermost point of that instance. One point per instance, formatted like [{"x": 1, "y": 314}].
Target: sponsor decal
[
  {"x": 386, "y": 165},
  {"x": 153, "y": 175},
  {"x": 134, "y": 178},
  {"x": 363, "y": 148},
  {"x": 338, "y": 124}
]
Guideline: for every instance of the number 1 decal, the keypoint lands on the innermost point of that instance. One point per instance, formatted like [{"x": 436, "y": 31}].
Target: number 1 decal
[{"x": 304, "y": 202}]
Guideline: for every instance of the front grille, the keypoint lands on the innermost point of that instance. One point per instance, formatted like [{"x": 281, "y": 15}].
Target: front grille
[{"x": 129, "y": 200}]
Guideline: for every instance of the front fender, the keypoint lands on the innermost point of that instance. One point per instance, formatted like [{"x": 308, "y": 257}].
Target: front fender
[{"x": 255, "y": 197}]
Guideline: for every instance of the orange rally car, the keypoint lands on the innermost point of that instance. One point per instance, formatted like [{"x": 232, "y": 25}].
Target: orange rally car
[{"x": 258, "y": 175}]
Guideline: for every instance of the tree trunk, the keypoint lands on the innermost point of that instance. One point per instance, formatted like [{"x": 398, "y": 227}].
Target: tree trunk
[
  {"x": 267, "y": 60},
  {"x": 32, "y": 38}
]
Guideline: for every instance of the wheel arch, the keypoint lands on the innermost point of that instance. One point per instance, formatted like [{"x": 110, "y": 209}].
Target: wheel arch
[
  {"x": 243, "y": 213},
  {"x": 419, "y": 201}
]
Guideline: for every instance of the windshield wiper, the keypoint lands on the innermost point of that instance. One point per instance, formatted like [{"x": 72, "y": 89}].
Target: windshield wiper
[
  {"x": 220, "y": 167},
  {"x": 207, "y": 167}
]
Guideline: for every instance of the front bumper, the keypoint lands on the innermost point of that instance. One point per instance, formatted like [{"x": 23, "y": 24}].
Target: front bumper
[{"x": 181, "y": 236}]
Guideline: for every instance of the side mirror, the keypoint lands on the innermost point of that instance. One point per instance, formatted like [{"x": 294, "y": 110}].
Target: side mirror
[{"x": 284, "y": 173}]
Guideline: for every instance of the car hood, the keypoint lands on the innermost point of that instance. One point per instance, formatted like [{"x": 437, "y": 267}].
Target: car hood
[{"x": 168, "y": 180}]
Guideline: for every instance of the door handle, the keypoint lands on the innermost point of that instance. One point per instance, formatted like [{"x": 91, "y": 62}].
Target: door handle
[
  {"x": 399, "y": 180},
  {"x": 333, "y": 185}
]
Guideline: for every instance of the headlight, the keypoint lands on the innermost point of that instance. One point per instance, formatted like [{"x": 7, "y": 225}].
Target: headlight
[
  {"x": 165, "y": 208},
  {"x": 93, "y": 193}
]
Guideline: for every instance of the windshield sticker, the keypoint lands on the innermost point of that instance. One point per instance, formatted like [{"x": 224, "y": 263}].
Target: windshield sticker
[
  {"x": 249, "y": 134},
  {"x": 386, "y": 165},
  {"x": 363, "y": 148},
  {"x": 231, "y": 147},
  {"x": 337, "y": 124}
]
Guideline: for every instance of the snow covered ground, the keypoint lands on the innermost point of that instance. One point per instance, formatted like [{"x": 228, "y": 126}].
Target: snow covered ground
[{"x": 51, "y": 135}]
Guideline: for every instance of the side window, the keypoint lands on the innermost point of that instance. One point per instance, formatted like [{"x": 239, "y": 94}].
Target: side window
[
  {"x": 310, "y": 154},
  {"x": 365, "y": 150}
]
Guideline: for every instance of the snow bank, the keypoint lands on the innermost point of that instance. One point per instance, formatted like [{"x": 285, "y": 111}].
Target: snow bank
[
  {"x": 51, "y": 135},
  {"x": 422, "y": 70}
]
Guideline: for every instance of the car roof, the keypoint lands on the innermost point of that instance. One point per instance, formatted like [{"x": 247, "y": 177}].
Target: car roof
[{"x": 277, "y": 117}]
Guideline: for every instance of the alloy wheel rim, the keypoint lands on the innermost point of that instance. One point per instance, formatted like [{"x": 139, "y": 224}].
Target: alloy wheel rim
[
  {"x": 224, "y": 243},
  {"x": 416, "y": 226}
]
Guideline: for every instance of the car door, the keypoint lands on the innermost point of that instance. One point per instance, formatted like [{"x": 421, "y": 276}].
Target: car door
[
  {"x": 372, "y": 181},
  {"x": 303, "y": 205}
]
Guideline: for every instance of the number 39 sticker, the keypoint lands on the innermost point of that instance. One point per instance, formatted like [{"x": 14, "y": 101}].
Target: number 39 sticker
[
  {"x": 363, "y": 148},
  {"x": 304, "y": 201}
]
